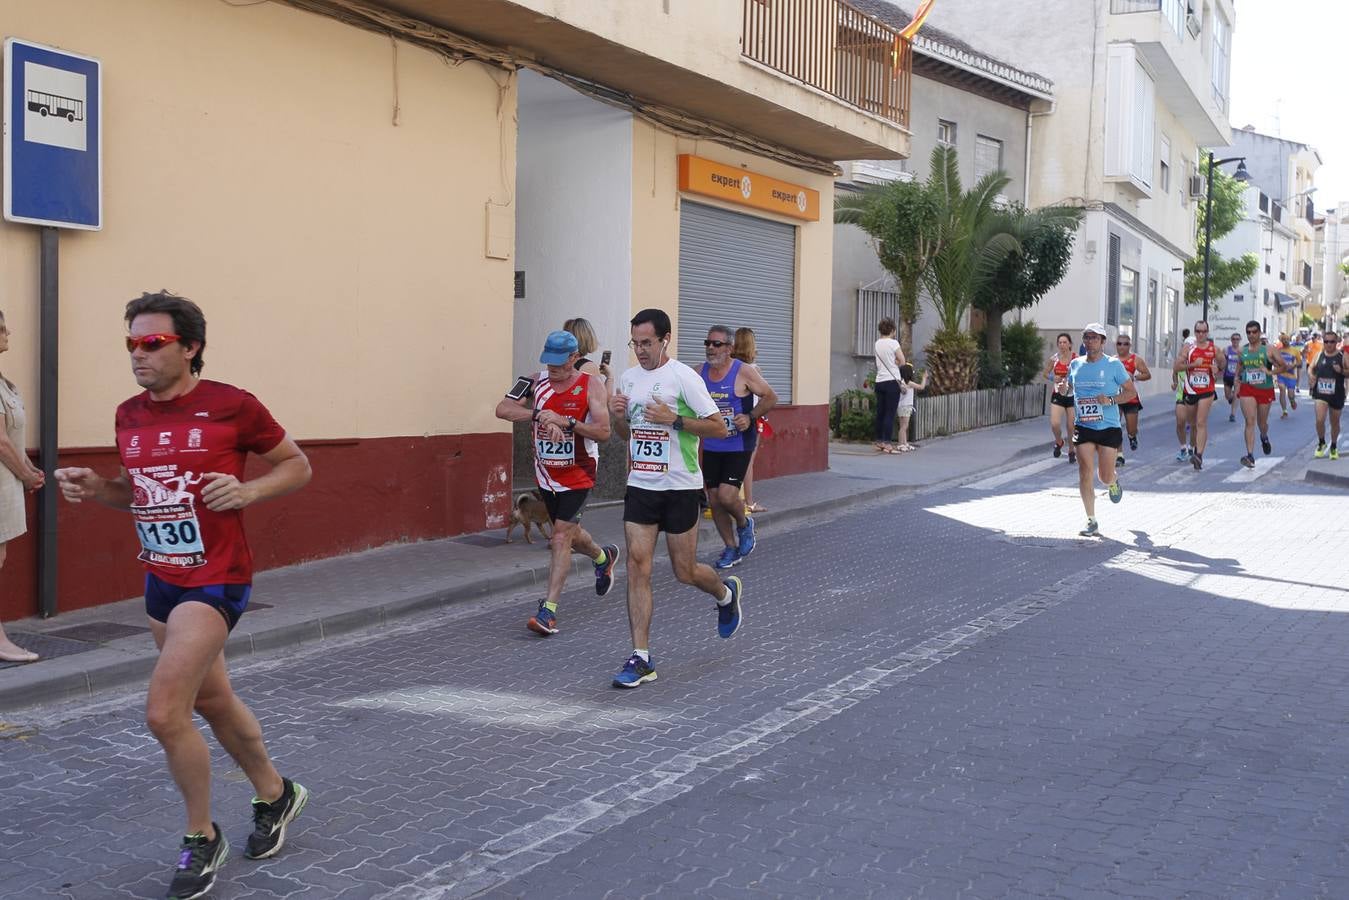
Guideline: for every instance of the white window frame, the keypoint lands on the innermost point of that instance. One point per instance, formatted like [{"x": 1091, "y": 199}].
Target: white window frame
[
  {"x": 1222, "y": 60},
  {"x": 984, "y": 141},
  {"x": 946, "y": 125},
  {"x": 1164, "y": 165},
  {"x": 1131, "y": 118}
]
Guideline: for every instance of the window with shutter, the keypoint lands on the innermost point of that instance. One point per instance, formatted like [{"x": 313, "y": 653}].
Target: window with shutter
[
  {"x": 987, "y": 156},
  {"x": 1112, "y": 284}
]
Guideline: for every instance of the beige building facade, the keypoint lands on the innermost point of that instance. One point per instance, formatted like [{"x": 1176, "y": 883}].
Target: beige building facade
[
  {"x": 343, "y": 194},
  {"x": 1140, "y": 87}
]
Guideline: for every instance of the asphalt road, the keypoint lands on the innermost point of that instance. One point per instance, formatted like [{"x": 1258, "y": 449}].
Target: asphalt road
[{"x": 945, "y": 695}]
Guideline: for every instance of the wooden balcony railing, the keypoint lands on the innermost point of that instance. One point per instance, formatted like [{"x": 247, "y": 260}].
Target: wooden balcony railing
[{"x": 832, "y": 46}]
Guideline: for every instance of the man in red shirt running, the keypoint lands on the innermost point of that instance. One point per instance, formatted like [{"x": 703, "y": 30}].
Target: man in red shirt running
[
  {"x": 183, "y": 443},
  {"x": 1198, "y": 368},
  {"x": 569, "y": 414}
]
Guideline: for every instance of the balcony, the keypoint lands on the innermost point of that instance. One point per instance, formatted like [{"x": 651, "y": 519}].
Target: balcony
[
  {"x": 1173, "y": 50},
  {"x": 833, "y": 47},
  {"x": 814, "y": 76}
]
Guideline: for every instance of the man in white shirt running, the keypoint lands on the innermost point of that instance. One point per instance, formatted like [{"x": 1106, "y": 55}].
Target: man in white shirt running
[{"x": 662, "y": 407}]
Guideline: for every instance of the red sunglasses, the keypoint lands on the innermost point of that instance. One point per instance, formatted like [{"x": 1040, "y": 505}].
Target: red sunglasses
[{"x": 150, "y": 342}]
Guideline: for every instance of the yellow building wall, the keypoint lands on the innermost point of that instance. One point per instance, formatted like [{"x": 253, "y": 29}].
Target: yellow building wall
[
  {"x": 252, "y": 163},
  {"x": 655, "y": 244}
]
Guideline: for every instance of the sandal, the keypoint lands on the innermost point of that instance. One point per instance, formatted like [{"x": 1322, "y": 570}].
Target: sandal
[{"x": 23, "y": 656}]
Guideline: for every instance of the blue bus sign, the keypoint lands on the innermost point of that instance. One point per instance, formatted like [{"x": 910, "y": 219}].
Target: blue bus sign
[{"x": 53, "y": 137}]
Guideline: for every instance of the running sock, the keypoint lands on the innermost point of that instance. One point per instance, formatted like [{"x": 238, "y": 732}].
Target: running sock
[
  {"x": 602, "y": 558},
  {"x": 644, "y": 654},
  {"x": 724, "y": 601},
  {"x": 551, "y": 606}
]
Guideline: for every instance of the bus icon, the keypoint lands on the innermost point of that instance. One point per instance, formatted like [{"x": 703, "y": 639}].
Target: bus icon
[{"x": 45, "y": 104}]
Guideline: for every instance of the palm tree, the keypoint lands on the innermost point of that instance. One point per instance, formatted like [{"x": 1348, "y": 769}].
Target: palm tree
[
  {"x": 972, "y": 242},
  {"x": 901, "y": 218}
]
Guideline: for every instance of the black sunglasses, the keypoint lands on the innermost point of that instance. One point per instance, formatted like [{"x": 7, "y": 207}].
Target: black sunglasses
[{"x": 716, "y": 343}]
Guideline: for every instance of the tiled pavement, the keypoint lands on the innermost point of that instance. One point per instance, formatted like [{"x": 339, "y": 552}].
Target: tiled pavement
[{"x": 944, "y": 694}]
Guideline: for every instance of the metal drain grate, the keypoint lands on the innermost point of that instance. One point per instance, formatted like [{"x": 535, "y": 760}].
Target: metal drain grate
[
  {"x": 46, "y": 646},
  {"x": 98, "y": 632}
]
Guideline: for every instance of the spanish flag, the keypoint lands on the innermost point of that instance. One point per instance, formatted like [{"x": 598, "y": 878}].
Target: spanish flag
[{"x": 918, "y": 18}]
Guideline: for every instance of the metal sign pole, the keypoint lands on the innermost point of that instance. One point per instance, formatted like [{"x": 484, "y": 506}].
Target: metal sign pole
[{"x": 50, "y": 320}]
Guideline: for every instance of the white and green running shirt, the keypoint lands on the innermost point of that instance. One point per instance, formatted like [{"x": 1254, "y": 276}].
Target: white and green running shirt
[{"x": 663, "y": 459}]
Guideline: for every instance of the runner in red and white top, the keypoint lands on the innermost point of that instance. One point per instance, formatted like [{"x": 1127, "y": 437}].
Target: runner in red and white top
[
  {"x": 1198, "y": 366},
  {"x": 569, "y": 415},
  {"x": 183, "y": 444},
  {"x": 1129, "y": 403}
]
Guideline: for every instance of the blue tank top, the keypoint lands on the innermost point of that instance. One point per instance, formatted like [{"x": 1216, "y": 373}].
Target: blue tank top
[{"x": 723, "y": 394}]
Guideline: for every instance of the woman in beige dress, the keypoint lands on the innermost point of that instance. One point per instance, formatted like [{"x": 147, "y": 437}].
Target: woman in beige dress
[{"x": 16, "y": 475}]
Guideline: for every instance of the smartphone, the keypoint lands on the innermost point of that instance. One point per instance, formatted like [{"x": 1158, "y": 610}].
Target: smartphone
[
  {"x": 605, "y": 357},
  {"x": 520, "y": 388}
]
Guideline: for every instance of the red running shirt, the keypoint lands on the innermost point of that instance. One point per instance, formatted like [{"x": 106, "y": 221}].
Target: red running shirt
[
  {"x": 1130, "y": 363},
  {"x": 166, "y": 448},
  {"x": 568, "y": 464},
  {"x": 1199, "y": 369}
]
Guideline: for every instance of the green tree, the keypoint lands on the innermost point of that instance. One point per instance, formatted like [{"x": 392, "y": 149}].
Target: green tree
[
  {"x": 901, "y": 219},
  {"x": 1224, "y": 274},
  {"x": 972, "y": 244},
  {"x": 1044, "y": 248}
]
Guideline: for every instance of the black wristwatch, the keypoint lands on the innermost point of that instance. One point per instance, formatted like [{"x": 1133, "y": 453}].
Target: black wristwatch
[
  {"x": 678, "y": 423},
  {"x": 571, "y": 422}
]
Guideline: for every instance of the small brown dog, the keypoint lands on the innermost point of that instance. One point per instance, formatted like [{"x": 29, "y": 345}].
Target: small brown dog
[{"x": 529, "y": 509}]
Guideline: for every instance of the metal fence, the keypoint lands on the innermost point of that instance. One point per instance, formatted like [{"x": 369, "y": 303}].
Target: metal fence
[{"x": 953, "y": 413}]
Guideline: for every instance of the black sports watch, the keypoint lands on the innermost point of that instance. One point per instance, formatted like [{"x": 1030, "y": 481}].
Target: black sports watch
[
  {"x": 571, "y": 422},
  {"x": 678, "y": 423}
]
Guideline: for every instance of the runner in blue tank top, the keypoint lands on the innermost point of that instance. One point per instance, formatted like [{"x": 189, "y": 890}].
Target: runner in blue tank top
[
  {"x": 733, "y": 387},
  {"x": 1096, "y": 380}
]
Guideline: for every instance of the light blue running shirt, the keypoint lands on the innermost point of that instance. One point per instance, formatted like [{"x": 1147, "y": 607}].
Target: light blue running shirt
[{"x": 1090, "y": 380}]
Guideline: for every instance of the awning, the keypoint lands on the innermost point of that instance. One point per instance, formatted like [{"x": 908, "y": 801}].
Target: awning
[{"x": 1283, "y": 301}]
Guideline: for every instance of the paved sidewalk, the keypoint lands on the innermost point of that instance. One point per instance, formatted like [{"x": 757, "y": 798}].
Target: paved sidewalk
[{"x": 93, "y": 650}]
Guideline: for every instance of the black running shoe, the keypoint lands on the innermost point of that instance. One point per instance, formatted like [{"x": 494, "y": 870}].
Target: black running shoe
[
  {"x": 604, "y": 575},
  {"x": 270, "y": 820},
  {"x": 1197, "y": 460},
  {"x": 1248, "y": 461},
  {"x": 1265, "y": 445},
  {"x": 198, "y": 862},
  {"x": 1121, "y": 460},
  {"x": 1072, "y": 456},
  {"x": 1058, "y": 449},
  {"x": 1133, "y": 442}
]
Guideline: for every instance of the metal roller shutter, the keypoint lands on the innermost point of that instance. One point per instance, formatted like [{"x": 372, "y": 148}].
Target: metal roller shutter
[{"x": 738, "y": 271}]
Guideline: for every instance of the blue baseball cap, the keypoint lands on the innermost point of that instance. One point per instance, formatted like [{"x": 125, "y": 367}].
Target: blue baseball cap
[{"x": 558, "y": 348}]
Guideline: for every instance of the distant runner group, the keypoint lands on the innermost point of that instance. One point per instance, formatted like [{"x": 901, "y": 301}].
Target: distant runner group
[{"x": 1097, "y": 395}]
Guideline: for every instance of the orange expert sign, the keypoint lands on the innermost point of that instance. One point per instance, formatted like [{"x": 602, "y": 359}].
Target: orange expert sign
[{"x": 734, "y": 185}]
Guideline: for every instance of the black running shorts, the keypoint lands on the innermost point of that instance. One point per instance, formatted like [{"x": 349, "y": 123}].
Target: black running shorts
[
  {"x": 564, "y": 506},
  {"x": 1335, "y": 401},
  {"x": 1061, "y": 400},
  {"x": 1193, "y": 399},
  {"x": 725, "y": 467},
  {"x": 1104, "y": 437},
  {"x": 674, "y": 512},
  {"x": 1131, "y": 406}
]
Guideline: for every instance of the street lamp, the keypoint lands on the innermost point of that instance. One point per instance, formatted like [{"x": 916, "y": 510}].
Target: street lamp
[{"x": 1240, "y": 175}]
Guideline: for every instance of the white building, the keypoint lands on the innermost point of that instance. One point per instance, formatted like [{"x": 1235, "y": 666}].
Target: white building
[
  {"x": 1330, "y": 288},
  {"x": 1266, "y": 230},
  {"x": 1286, "y": 170},
  {"x": 1139, "y": 87}
]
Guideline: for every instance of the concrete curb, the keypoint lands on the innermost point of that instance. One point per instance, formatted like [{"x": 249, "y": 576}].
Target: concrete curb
[{"x": 1332, "y": 479}]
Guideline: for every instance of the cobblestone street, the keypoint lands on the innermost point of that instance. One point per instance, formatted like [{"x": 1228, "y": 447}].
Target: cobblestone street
[{"x": 949, "y": 694}]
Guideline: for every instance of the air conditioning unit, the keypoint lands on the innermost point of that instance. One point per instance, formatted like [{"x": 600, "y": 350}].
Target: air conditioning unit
[
  {"x": 1196, "y": 190},
  {"x": 1192, "y": 23}
]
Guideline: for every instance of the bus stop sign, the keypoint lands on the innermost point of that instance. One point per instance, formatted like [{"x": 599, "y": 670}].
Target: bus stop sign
[{"x": 53, "y": 150}]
